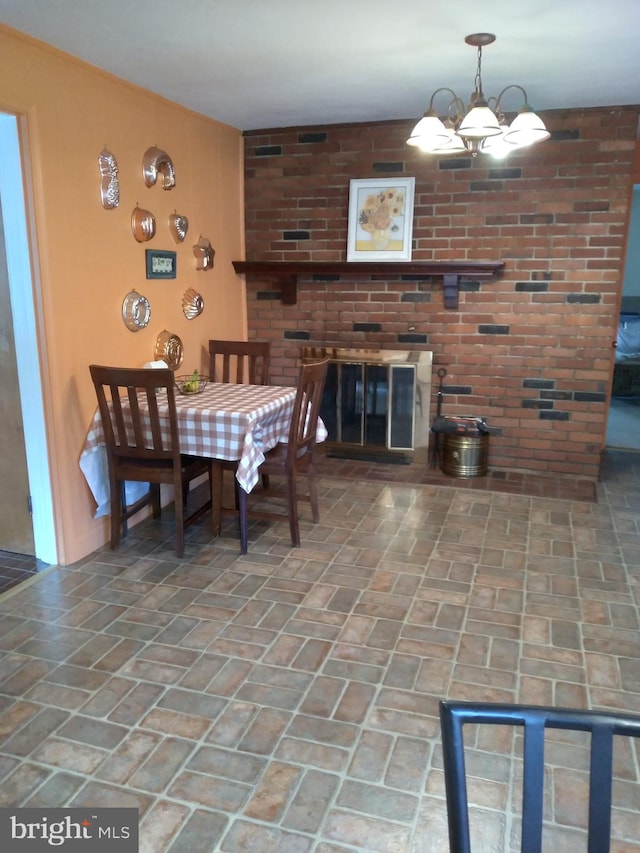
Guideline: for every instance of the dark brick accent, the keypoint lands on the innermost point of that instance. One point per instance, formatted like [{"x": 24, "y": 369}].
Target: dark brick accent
[
  {"x": 468, "y": 286},
  {"x": 367, "y": 327},
  {"x": 454, "y": 163},
  {"x": 325, "y": 277},
  {"x": 584, "y": 298},
  {"x": 591, "y": 206},
  {"x": 554, "y": 416},
  {"x": 296, "y": 336},
  {"x": 531, "y": 287},
  {"x": 457, "y": 389},
  {"x": 537, "y": 219},
  {"x": 268, "y": 150},
  {"x": 538, "y": 383},
  {"x": 413, "y": 338},
  {"x": 388, "y": 167},
  {"x": 555, "y": 395},
  {"x": 312, "y": 137},
  {"x": 589, "y": 397},
  {"x": 269, "y": 295},
  {"x": 560, "y": 135},
  {"x": 415, "y": 297},
  {"x": 536, "y": 404},
  {"x": 512, "y": 172},
  {"x": 491, "y": 329},
  {"x": 296, "y": 235}
]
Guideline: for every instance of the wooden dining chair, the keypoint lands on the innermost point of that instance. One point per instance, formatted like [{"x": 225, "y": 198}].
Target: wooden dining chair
[
  {"x": 296, "y": 457},
  {"x": 240, "y": 361},
  {"x": 142, "y": 444},
  {"x": 534, "y": 720}
]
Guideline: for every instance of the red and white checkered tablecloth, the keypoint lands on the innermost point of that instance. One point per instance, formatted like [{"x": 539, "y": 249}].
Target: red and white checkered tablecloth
[{"x": 226, "y": 421}]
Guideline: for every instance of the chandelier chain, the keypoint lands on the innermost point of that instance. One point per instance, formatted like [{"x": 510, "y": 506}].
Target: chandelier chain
[{"x": 478, "y": 80}]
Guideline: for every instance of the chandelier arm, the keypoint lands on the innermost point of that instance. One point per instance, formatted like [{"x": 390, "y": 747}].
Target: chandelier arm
[
  {"x": 506, "y": 89},
  {"x": 454, "y": 97}
]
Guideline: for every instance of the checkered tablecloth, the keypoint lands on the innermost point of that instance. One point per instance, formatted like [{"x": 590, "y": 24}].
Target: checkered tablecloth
[{"x": 226, "y": 421}]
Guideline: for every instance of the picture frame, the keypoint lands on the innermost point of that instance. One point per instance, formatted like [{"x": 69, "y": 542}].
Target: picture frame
[
  {"x": 160, "y": 264},
  {"x": 380, "y": 219}
]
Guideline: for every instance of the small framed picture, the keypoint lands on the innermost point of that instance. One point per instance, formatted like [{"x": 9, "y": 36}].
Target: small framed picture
[
  {"x": 380, "y": 219},
  {"x": 160, "y": 264}
]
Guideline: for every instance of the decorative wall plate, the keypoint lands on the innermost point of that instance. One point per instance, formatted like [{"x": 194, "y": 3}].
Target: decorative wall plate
[
  {"x": 136, "y": 311},
  {"x": 169, "y": 348},
  {"x": 143, "y": 224},
  {"x": 192, "y": 304},
  {"x": 156, "y": 160},
  {"x": 110, "y": 187},
  {"x": 178, "y": 226}
]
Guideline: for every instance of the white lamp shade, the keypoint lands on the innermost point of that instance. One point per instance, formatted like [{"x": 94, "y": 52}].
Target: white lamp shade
[
  {"x": 453, "y": 145},
  {"x": 429, "y": 133},
  {"x": 497, "y": 146},
  {"x": 525, "y": 129},
  {"x": 479, "y": 123}
]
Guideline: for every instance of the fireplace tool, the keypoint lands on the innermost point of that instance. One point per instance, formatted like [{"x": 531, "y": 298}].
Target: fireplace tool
[{"x": 435, "y": 451}]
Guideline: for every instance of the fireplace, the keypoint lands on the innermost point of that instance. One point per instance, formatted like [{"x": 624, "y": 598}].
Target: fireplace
[{"x": 376, "y": 401}]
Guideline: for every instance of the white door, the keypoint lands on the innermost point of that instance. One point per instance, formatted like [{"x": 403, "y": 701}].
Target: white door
[{"x": 27, "y": 408}]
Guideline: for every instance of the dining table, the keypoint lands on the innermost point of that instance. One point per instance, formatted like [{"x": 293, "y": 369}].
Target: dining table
[{"x": 225, "y": 421}]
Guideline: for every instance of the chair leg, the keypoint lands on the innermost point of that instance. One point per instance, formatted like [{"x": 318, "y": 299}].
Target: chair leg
[
  {"x": 117, "y": 509},
  {"x": 179, "y": 510},
  {"x": 244, "y": 531},
  {"x": 155, "y": 500},
  {"x": 292, "y": 501},
  {"x": 216, "y": 483},
  {"x": 123, "y": 510},
  {"x": 313, "y": 493}
]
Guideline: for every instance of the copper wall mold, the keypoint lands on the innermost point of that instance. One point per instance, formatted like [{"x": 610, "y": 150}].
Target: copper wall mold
[
  {"x": 110, "y": 185},
  {"x": 169, "y": 348},
  {"x": 156, "y": 160},
  {"x": 143, "y": 224},
  {"x": 192, "y": 304},
  {"x": 136, "y": 311},
  {"x": 178, "y": 226},
  {"x": 204, "y": 253}
]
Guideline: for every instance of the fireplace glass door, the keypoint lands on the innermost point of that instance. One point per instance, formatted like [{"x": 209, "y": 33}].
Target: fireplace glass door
[{"x": 370, "y": 405}]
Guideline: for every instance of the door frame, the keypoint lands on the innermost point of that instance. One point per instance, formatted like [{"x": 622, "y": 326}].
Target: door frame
[{"x": 27, "y": 343}]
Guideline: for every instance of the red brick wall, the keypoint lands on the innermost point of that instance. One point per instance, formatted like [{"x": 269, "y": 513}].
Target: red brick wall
[{"x": 531, "y": 350}]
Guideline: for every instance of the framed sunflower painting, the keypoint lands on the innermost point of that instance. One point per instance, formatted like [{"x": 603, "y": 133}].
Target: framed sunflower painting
[{"x": 380, "y": 219}]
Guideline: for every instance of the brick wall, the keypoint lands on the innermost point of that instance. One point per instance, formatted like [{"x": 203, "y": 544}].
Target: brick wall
[{"x": 531, "y": 350}]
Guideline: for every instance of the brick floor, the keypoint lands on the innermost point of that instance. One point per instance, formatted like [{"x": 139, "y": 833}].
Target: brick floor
[{"x": 288, "y": 700}]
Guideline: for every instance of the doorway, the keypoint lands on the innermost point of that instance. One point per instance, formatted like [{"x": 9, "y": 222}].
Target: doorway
[
  {"x": 18, "y": 281},
  {"x": 623, "y": 423}
]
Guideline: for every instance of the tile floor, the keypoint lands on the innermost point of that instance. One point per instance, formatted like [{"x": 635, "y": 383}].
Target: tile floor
[
  {"x": 16, "y": 568},
  {"x": 288, "y": 700}
]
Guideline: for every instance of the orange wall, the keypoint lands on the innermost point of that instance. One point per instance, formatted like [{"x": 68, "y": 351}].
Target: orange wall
[{"x": 87, "y": 259}]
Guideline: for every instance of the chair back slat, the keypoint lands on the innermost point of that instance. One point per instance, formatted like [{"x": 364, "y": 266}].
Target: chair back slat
[
  {"x": 602, "y": 727},
  {"x": 129, "y": 400},
  {"x": 240, "y": 362},
  {"x": 140, "y": 424}
]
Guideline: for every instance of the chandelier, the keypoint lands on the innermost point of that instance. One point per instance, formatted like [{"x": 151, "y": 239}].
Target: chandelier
[{"x": 481, "y": 126}]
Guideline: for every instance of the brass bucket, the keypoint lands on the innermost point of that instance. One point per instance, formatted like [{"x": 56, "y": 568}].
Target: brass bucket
[{"x": 465, "y": 455}]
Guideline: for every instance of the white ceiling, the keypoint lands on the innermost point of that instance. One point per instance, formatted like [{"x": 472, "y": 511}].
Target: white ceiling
[{"x": 279, "y": 63}]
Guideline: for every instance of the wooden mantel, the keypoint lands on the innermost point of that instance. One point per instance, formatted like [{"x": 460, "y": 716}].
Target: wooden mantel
[{"x": 287, "y": 272}]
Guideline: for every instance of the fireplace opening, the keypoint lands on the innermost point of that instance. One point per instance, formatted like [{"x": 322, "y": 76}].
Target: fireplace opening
[{"x": 376, "y": 402}]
